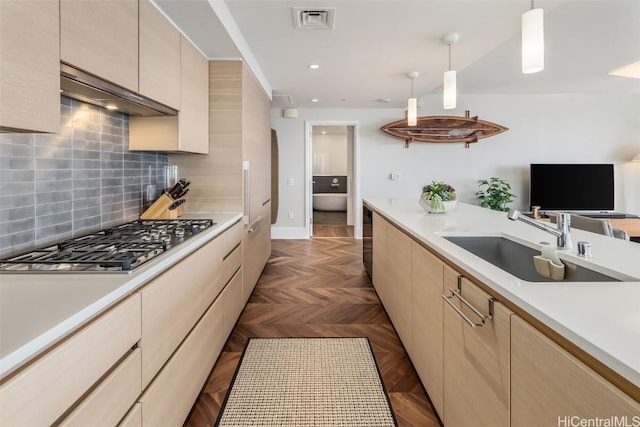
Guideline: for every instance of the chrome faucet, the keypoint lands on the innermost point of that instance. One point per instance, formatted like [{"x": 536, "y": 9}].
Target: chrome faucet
[{"x": 562, "y": 231}]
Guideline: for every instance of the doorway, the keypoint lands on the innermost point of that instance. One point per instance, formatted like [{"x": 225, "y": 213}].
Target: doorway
[{"x": 332, "y": 195}]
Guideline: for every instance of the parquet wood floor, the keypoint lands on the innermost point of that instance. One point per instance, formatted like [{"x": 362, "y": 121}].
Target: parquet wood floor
[{"x": 317, "y": 288}]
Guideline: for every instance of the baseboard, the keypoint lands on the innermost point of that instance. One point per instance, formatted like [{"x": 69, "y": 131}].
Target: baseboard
[{"x": 293, "y": 233}]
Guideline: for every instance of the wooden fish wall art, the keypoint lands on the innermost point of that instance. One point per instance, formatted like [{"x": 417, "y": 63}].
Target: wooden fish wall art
[{"x": 444, "y": 129}]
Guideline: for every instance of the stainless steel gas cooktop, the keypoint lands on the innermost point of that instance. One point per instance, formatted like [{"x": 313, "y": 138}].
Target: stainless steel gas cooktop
[{"x": 118, "y": 249}]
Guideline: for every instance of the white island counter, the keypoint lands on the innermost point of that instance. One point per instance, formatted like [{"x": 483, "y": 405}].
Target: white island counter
[{"x": 600, "y": 318}]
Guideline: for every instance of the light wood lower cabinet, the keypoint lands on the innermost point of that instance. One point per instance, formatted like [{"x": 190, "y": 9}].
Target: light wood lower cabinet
[
  {"x": 399, "y": 283},
  {"x": 256, "y": 246},
  {"x": 476, "y": 359},
  {"x": 112, "y": 398},
  {"x": 379, "y": 278},
  {"x": 173, "y": 302},
  {"x": 30, "y": 66},
  {"x": 187, "y": 315},
  {"x": 427, "y": 327},
  {"x": 169, "y": 398},
  {"x": 34, "y": 396},
  {"x": 550, "y": 387}
]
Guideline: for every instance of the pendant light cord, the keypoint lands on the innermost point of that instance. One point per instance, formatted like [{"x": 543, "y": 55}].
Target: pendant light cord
[
  {"x": 532, "y": 4},
  {"x": 449, "y": 56}
]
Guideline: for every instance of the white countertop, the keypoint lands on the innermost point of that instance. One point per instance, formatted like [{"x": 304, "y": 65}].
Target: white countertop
[
  {"x": 602, "y": 319},
  {"x": 38, "y": 310}
]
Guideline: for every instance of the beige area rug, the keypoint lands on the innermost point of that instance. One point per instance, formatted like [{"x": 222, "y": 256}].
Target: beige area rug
[{"x": 307, "y": 382}]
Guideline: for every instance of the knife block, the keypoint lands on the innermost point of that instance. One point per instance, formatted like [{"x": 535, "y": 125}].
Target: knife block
[{"x": 160, "y": 209}]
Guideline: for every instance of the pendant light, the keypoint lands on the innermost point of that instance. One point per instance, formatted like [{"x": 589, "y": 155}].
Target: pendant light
[
  {"x": 412, "y": 104},
  {"x": 532, "y": 40},
  {"x": 449, "y": 80}
]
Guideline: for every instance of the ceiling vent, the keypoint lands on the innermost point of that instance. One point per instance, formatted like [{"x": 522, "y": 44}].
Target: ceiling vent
[
  {"x": 314, "y": 18},
  {"x": 281, "y": 100}
]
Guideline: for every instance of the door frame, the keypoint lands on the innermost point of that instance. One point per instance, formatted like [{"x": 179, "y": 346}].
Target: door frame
[{"x": 355, "y": 167}]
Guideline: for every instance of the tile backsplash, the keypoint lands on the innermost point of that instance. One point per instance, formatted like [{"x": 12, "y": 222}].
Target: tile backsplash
[{"x": 69, "y": 184}]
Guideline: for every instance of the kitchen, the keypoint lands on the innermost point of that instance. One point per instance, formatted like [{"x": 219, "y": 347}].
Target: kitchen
[{"x": 226, "y": 163}]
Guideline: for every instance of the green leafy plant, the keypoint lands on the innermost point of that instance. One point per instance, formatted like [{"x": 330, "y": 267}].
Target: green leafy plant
[
  {"x": 437, "y": 193},
  {"x": 496, "y": 195}
]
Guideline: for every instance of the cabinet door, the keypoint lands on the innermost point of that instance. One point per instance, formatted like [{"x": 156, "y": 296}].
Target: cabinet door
[
  {"x": 256, "y": 142},
  {"x": 101, "y": 37},
  {"x": 399, "y": 283},
  {"x": 427, "y": 327},
  {"x": 256, "y": 249},
  {"x": 193, "y": 118},
  {"x": 549, "y": 386},
  {"x": 476, "y": 360},
  {"x": 159, "y": 56},
  {"x": 29, "y": 66},
  {"x": 380, "y": 257}
]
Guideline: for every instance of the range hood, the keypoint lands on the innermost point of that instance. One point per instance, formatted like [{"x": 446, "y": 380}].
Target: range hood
[{"x": 86, "y": 87}]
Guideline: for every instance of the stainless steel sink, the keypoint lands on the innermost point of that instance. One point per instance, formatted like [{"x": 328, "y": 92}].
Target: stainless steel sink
[{"x": 517, "y": 259}]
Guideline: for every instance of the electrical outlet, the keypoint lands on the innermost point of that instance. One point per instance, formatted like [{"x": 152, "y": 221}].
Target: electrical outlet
[
  {"x": 290, "y": 182},
  {"x": 395, "y": 176},
  {"x": 290, "y": 214}
]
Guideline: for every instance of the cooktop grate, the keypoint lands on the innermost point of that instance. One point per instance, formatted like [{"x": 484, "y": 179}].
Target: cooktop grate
[{"x": 117, "y": 249}]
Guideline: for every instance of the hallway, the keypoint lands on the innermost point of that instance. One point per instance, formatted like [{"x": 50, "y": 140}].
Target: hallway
[{"x": 316, "y": 288}]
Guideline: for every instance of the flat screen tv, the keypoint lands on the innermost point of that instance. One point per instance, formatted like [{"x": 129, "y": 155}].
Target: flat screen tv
[{"x": 572, "y": 187}]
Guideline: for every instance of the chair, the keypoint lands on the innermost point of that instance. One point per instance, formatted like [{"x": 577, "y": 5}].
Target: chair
[{"x": 599, "y": 226}]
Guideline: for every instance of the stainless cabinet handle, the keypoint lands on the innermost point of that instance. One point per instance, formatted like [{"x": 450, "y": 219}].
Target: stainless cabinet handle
[
  {"x": 483, "y": 317},
  {"x": 255, "y": 226}
]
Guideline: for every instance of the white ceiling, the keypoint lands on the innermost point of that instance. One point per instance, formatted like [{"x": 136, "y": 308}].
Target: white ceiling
[{"x": 375, "y": 43}]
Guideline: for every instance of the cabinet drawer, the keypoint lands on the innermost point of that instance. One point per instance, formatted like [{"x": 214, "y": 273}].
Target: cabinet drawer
[
  {"x": 231, "y": 264},
  {"x": 169, "y": 398},
  {"x": 133, "y": 417},
  {"x": 111, "y": 400},
  {"x": 476, "y": 360},
  {"x": 232, "y": 237},
  {"x": 173, "y": 303},
  {"x": 58, "y": 379},
  {"x": 232, "y": 301},
  {"x": 549, "y": 386}
]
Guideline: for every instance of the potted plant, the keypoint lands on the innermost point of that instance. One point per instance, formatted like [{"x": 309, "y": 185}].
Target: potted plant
[
  {"x": 496, "y": 195},
  {"x": 438, "y": 197}
]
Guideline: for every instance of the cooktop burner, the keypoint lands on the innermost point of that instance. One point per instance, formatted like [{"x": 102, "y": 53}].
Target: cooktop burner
[{"x": 117, "y": 249}]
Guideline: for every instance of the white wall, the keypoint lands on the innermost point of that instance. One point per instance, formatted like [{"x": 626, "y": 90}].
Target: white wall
[
  {"x": 568, "y": 128},
  {"x": 329, "y": 154}
]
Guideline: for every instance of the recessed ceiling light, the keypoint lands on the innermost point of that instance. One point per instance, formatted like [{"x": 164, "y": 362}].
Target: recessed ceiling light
[
  {"x": 631, "y": 70},
  {"x": 314, "y": 66},
  {"x": 324, "y": 132},
  {"x": 384, "y": 100},
  {"x": 314, "y": 100},
  {"x": 111, "y": 107}
]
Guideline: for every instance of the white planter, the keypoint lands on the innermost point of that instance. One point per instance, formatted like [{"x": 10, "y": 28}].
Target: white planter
[{"x": 447, "y": 205}]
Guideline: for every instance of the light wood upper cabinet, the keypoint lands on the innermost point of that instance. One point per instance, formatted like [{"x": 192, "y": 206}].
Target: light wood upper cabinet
[
  {"x": 189, "y": 131},
  {"x": 427, "y": 327},
  {"x": 101, "y": 37},
  {"x": 29, "y": 66},
  {"x": 159, "y": 56},
  {"x": 476, "y": 360},
  {"x": 549, "y": 385},
  {"x": 193, "y": 119}
]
